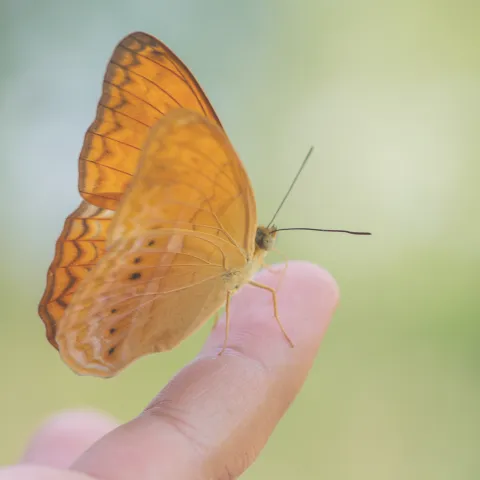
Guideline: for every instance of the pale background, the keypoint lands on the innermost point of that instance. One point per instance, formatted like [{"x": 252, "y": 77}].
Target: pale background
[{"x": 388, "y": 92}]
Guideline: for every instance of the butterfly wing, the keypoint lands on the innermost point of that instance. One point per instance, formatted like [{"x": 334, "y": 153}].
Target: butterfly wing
[
  {"x": 184, "y": 230},
  {"x": 144, "y": 80},
  {"x": 145, "y": 295},
  {"x": 80, "y": 245},
  {"x": 190, "y": 177}
]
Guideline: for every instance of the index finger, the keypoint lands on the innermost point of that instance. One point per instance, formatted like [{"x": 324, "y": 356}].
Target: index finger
[{"x": 215, "y": 416}]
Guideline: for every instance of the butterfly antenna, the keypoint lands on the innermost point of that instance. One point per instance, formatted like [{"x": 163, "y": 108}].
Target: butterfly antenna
[
  {"x": 291, "y": 186},
  {"x": 323, "y": 230}
]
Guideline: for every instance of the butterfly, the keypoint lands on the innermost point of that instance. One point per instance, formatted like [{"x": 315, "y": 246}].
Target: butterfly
[{"x": 167, "y": 230}]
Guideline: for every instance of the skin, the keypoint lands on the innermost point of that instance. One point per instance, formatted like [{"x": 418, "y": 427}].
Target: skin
[{"x": 214, "y": 417}]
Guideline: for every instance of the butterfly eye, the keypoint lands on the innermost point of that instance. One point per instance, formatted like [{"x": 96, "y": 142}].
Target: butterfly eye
[{"x": 111, "y": 351}]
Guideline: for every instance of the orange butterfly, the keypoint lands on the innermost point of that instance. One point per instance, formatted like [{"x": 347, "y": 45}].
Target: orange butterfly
[{"x": 167, "y": 230}]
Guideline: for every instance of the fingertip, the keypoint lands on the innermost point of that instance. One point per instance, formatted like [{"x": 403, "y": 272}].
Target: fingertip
[
  {"x": 215, "y": 416},
  {"x": 307, "y": 280},
  {"x": 65, "y": 436},
  {"x": 306, "y": 296}
]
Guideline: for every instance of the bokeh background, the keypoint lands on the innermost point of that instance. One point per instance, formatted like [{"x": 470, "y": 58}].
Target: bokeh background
[{"x": 388, "y": 93}]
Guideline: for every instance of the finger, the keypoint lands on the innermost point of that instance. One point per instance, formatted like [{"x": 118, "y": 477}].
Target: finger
[
  {"x": 34, "y": 472},
  {"x": 215, "y": 416},
  {"x": 64, "y": 437}
]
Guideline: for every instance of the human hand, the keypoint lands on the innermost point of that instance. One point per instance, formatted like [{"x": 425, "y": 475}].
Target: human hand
[{"x": 214, "y": 417}]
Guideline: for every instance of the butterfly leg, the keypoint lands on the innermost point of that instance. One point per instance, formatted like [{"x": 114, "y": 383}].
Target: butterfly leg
[
  {"x": 275, "y": 309},
  {"x": 227, "y": 322}
]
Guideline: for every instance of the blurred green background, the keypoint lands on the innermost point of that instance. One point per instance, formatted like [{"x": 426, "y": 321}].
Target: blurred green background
[{"x": 389, "y": 95}]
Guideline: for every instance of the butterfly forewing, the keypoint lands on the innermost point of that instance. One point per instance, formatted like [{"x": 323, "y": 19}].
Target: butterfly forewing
[
  {"x": 183, "y": 230},
  {"x": 144, "y": 81},
  {"x": 191, "y": 178}
]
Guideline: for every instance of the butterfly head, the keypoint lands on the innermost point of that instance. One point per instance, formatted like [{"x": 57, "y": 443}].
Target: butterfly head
[{"x": 265, "y": 238}]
